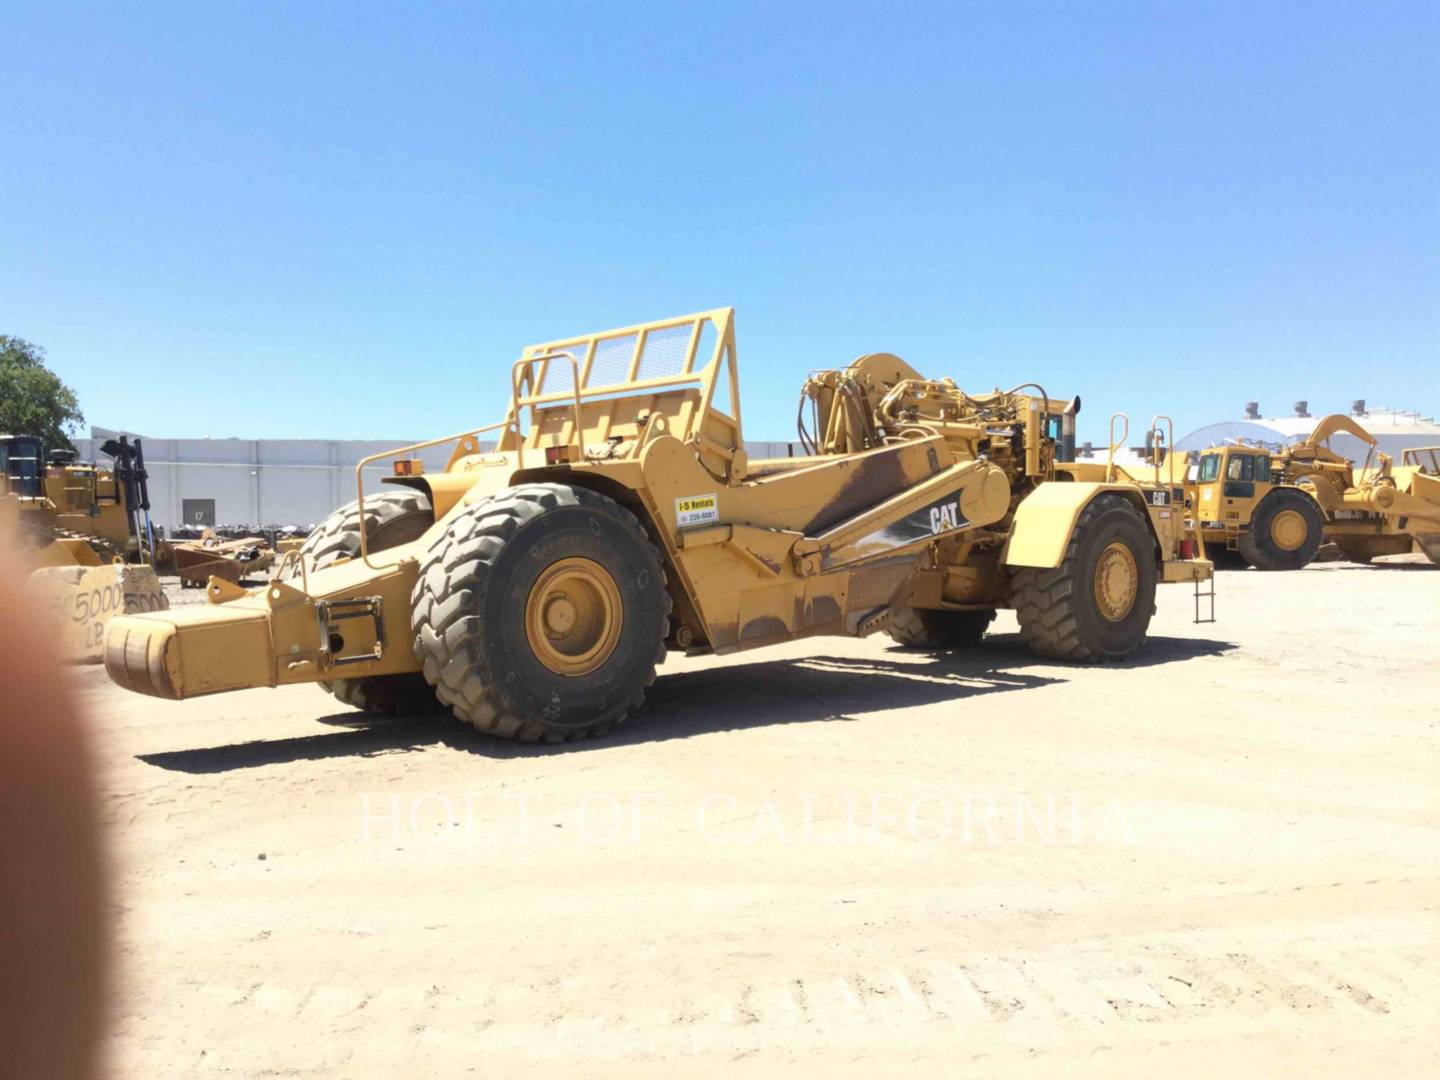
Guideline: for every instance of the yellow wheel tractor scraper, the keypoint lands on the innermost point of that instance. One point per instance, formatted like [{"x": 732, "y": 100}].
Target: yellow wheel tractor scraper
[
  {"x": 533, "y": 588},
  {"x": 1272, "y": 510}
]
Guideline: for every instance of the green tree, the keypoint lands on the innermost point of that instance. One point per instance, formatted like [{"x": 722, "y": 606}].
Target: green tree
[{"x": 33, "y": 400}]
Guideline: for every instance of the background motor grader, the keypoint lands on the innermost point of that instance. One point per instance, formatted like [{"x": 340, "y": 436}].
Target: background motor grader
[
  {"x": 534, "y": 587},
  {"x": 1273, "y": 510}
]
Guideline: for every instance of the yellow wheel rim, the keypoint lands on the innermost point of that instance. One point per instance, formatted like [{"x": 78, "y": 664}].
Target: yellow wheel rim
[
  {"x": 1117, "y": 582},
  {"x": 1287, "y": 530},
  {"x": 573, "y": 616}
]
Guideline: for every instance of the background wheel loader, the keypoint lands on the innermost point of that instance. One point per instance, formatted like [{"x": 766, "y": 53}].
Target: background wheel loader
[
  {"x": 533, "y": 588},
  {"x": 1272, "y": 511},
  {"x": 74, "y": 513},
  {"x": 72, "y": 524}
]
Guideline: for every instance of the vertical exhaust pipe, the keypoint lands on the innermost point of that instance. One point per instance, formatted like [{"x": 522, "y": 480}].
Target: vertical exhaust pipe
[{"x": 1066, "y": 450}]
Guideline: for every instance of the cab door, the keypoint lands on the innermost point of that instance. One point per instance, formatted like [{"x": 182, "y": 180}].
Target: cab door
[
  {"x": 1206, "y": 486},
  {"x": 1246, "y": 481}
]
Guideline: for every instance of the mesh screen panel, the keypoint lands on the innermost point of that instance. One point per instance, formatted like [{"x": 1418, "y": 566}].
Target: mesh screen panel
[
  {"x": 665, "y": 352},
  {"x": 560, "y": 378},
  {"x": 612, "y": 361}
]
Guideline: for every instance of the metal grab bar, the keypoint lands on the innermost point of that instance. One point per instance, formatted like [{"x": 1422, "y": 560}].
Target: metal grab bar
[
  {"x": 1155, "y": 434},
  {"x": 285, "y": 559},
  {"x": 360, "y": 479},
  {"x": 517, "y": 402},
  {"x": 1110, "y": 457},
  {"x": 511, "y": 422}
]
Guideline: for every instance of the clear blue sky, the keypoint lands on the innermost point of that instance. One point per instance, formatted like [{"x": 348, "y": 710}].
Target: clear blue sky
[{"x": 345, "y": 220}]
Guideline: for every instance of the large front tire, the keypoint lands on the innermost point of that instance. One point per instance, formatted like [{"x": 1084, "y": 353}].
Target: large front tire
[
  {"x": 541, "y": 614},
  {"x": 1285, "y": 532},
  {"x": 1096, "y": 605},
  {"x": 391, "y": 518}
]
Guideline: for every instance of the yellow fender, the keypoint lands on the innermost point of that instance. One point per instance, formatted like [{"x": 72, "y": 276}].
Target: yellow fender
[{"x": 1047, "y": 516}]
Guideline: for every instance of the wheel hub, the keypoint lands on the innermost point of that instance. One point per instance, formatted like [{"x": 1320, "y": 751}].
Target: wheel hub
[
  {"x": 1117, "y": 582},
  {"x": 559, "y": 616},
  {"x": 573, "y": 616},
  {"x": 1287, "y": 530}
]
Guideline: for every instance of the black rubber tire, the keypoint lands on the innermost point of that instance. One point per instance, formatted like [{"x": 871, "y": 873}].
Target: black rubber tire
[
  {"x": 386, "y": 695},
  {"x": 391, "y": 518},
  {"x": 469, "y": 613},
  {"x": 1059, "y": 618},
  {"x": 926, "y": 628},
  {"x": 1261, "y": 552},
  {"x": 1225, "y": 558},
  {"x": 1354, "y": 552}
]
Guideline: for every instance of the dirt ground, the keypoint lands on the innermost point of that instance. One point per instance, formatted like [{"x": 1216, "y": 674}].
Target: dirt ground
[{"x": 837, "y": 853}]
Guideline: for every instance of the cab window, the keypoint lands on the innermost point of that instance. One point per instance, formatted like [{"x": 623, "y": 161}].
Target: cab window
[
  {"x": 1241, "y": 467},
  {"x": 1209, "y": 467}
]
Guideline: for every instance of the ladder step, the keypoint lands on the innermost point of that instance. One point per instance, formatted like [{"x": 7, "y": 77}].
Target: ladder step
[{"x": 1210, "y": 595}]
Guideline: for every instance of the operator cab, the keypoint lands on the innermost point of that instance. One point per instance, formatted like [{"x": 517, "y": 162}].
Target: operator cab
[
  {"x": 22, "y": 459},
  {"x": 1230, "y": 481}
]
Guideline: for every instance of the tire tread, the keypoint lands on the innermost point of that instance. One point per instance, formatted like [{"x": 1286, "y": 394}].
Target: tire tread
[
  {"x": 336, "y": 538},
  {"x": 922, "y": 628},
  {"x": 1046, "y": 599},
  {"x": 459, "y": 563}
]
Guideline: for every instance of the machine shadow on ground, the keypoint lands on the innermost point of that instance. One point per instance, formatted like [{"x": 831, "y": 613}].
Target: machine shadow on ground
[
  {"x": 1386, "y": 564},
  {"x": 1383, "y": 568},
  {"x": 684, "y": 704}
]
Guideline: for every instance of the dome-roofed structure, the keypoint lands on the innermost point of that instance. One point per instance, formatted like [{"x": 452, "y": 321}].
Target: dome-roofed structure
[{"x": 1394, "y": 430}]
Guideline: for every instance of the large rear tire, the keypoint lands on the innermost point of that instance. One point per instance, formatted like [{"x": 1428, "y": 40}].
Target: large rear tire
[
  {"x": 542, "y": 613},
  {"x": 391, "y": 518},
  {"x": 1096, "y": 605},
  {"x": 925, "y": 628},
  {"x": 1285, "y": 532},
  {"x": 1355, "y": 550}
]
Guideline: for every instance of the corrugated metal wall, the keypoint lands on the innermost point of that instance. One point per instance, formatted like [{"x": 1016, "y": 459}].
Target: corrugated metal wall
[{"x": 262, "y": 482}]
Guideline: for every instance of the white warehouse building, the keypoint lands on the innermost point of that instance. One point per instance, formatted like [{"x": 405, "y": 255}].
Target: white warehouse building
[
  {"x": 253, "y": 482},
  {"x": 264, "y": 482}
]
